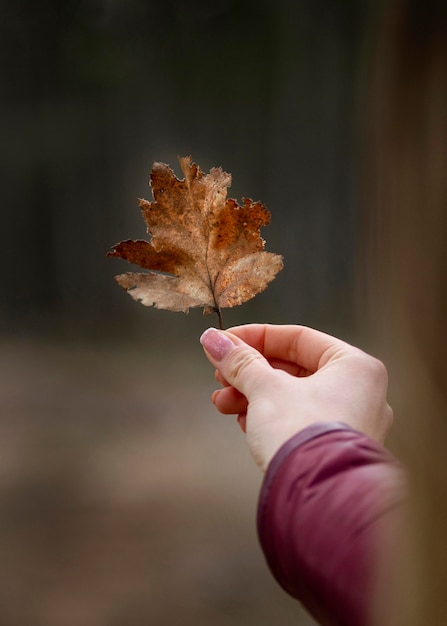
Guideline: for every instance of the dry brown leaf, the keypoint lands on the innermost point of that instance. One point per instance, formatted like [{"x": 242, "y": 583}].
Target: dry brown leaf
[{"x": 205, "y": 250}]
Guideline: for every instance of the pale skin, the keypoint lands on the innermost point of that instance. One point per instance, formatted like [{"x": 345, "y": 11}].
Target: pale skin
[{"x": 280, "y": 379}]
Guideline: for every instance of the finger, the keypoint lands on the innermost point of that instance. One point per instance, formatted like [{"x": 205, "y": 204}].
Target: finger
[
  {"x": 220, "y": 379},
  {"x": 307, "y": 347},
  {"x": 291, "y": 368},
  {"x": 229, "y": 401},
  {"x": 242, "y": 421},
  {"x": 241, "y": 365}
]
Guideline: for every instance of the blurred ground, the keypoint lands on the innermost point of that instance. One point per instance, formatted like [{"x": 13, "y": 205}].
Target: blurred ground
[{"x": 126, "y": 499}]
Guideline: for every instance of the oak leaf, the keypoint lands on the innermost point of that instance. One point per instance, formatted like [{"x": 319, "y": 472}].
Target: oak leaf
[{"x": 205, "y": 250}]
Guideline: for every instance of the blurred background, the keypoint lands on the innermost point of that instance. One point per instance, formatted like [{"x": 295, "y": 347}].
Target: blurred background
[{"x": 125, "y": 498}]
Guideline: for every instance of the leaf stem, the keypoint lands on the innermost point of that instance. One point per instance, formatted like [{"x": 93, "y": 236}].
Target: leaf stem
[{"x": 219, "y": 315}]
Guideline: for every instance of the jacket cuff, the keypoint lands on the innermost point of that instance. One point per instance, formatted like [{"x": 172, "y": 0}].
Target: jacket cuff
[{"x": 303, "y": 436}]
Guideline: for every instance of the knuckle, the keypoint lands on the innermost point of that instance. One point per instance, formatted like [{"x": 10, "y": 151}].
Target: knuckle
[
  {"x": 240, "y": 361},
  {"x": 378, "y": 369},
  {"x": 374, "y": 368},
  {"x": 389, "y": 417}
]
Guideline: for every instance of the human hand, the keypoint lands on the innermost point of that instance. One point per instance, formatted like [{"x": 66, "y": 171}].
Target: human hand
[{"x": 281, "y": 379}]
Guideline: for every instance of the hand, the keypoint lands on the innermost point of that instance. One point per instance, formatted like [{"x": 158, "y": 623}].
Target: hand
[{"x": 281, "y": 379}]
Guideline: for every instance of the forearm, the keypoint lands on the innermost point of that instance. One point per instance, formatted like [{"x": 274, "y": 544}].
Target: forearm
[{"x": 329, "y": 496}]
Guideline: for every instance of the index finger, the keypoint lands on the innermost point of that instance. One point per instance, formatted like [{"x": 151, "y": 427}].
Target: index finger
[{"x": 309, "y": 348}]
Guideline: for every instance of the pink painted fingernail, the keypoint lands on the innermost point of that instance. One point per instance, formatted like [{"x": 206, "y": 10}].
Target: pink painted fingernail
[{"x": 216, "y": 343}]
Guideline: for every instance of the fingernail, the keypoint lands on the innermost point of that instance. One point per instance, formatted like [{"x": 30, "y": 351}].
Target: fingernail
[{"x": 216, "y": 343}]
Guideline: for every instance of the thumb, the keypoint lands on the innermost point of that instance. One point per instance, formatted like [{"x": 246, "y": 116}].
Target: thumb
[{"x": 243, "y": 367}]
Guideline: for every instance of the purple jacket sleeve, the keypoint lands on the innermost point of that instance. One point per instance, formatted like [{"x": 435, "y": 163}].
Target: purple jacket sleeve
[{"x": 329, "y": 496}]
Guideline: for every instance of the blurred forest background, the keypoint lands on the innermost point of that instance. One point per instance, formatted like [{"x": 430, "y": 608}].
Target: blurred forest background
[{"x": 125, "y": 499}]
